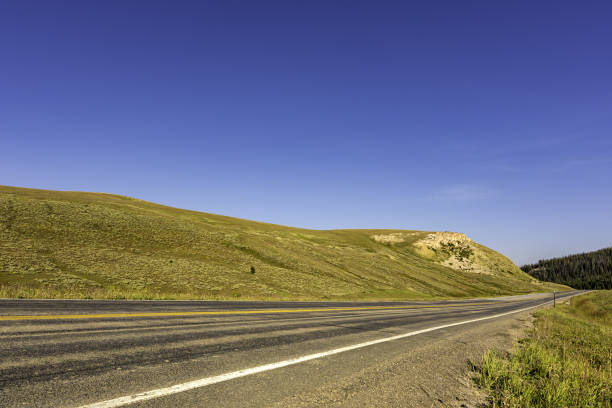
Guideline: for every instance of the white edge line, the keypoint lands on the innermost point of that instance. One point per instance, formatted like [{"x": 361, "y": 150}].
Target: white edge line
[{"x": 147, "y": 395}]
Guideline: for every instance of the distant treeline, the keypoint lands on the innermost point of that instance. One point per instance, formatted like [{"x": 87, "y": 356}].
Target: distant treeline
[{"x": 591, "y": 270}]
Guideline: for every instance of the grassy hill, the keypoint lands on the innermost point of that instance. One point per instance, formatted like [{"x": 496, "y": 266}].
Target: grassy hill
[{"x": 80, "y": 245}]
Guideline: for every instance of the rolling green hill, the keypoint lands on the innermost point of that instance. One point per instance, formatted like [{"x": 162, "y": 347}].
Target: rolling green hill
[{"x": 79, "y": 245}]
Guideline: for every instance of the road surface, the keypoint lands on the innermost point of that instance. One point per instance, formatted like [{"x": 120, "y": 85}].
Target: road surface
[{"x": 71, "y": 353}]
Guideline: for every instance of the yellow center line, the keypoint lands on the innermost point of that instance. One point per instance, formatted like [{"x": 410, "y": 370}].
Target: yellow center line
[{"x": 233, "y": 312}]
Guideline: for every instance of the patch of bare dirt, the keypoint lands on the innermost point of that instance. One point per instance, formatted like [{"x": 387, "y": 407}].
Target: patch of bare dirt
[{"x": 394, "y": 238}]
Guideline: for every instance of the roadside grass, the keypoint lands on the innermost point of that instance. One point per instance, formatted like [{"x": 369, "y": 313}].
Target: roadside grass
[
  {"x": 566, "y": 360},
  {"x": 56, "y": 244}
]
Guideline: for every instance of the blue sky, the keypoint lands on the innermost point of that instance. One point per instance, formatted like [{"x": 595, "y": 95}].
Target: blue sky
[{"x": 489, "y": 118}]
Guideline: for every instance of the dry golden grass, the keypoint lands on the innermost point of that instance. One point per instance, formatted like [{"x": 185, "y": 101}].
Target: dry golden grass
[{"x": 78, "y": 245}]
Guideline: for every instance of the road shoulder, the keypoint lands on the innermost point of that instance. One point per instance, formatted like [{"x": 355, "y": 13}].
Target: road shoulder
[{"x": 434, "y": 374}]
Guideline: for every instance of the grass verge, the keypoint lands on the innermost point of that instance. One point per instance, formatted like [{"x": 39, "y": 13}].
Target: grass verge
[{"x": 564, "y": 362}]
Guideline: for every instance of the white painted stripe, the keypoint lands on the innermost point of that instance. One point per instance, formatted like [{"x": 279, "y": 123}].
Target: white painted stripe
[{"x": 143, "y": 396}]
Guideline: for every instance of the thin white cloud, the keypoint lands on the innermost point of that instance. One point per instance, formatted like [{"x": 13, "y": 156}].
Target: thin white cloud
[
  {"x": 591, "y": 162},
  {"x": 465, "y": 192}
]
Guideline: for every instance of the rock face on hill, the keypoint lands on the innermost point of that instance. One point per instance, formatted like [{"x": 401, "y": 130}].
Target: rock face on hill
[
  {"x": 454, "y": 250},
  {"x": 74, "y": 244}
]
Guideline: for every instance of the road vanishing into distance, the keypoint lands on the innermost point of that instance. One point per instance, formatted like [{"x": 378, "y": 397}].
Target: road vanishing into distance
[{"x": 79, "y": 353}]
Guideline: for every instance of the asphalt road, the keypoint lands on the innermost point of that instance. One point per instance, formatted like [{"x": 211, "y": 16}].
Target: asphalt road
[{"x": 68, "y": 353}]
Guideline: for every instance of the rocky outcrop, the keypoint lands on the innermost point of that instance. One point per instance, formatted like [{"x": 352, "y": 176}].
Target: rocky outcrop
[{"x": 454, "y": 250}]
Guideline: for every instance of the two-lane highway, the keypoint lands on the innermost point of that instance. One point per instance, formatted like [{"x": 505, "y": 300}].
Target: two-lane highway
[{"x": 191, "y": 353}]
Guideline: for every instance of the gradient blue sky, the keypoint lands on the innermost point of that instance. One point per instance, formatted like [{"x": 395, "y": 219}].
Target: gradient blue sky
[{"x": 489, "y": 118}]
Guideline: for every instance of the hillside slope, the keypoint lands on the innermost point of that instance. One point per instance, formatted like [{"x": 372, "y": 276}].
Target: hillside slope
[
  {"x": 74, "y": 244},
  {"x": 590, "y": 270}
]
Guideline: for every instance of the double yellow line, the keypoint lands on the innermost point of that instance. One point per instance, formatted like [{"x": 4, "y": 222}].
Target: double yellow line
[{"x": 231, "y": 312}]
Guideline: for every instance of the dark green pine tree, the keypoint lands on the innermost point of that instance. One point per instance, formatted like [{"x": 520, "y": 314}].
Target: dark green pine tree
[{"x": 591, "y": 270}]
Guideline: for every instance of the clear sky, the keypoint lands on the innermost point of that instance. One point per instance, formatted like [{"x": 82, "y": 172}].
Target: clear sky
[{"x": 484, "y": 117}]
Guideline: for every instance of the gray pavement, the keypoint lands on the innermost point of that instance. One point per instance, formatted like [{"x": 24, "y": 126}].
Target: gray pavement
[{"x": 78, "y": 357}]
